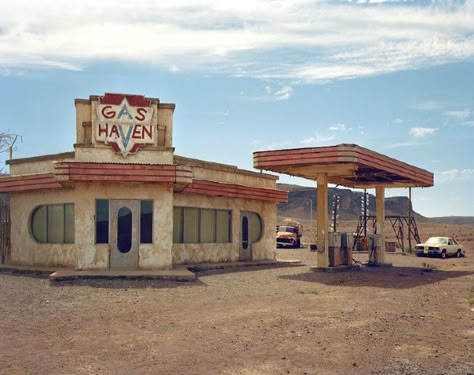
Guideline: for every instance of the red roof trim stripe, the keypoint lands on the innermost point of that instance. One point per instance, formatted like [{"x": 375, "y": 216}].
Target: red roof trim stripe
[
  {"x": 236, "y": 191},
  {"x": 73, "y": 171},
  {"x": 116, "y": 99},
  {"x": 14, "y": 184}
]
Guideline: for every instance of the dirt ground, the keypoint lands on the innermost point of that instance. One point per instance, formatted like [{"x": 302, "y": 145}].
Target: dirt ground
[{"x": 416, "y": 317}]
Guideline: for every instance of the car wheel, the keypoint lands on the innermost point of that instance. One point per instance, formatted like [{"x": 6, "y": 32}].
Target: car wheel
[
  {"x": 443, "y": 254},
  {"x": 458, "y": 254}
]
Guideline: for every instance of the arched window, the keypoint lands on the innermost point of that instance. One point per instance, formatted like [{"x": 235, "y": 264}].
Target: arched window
[
  {"x": 124, "y": 230},
  {"x": 255, "y": 226},
  {"x": 53, "y": 223}
]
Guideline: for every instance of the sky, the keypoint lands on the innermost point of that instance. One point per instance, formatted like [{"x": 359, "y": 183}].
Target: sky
[{"x": 396, "y": 77}]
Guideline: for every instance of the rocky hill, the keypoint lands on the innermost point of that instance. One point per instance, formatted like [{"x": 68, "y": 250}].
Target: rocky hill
[{"x": 302, "y": 203}]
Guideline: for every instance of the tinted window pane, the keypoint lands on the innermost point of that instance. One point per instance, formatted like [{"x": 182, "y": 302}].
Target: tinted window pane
[
  {"x": 102, "y": 221},
  {"x": 124, "y": 230},
  {"x": 223, "y": 225},
  {"x": 255, "y": 226},
  {"x": 245, "y": 232},
  {"x": 56, "y": 223},
  {"x": 177, "y": 225},
  {"x": 38, "y": 224},
  {"x": 146, "y": 221},
  {"x": 69, "y": 223},
  {"x": 208, "y": 225},
  {"x": 191, "y": 225}
]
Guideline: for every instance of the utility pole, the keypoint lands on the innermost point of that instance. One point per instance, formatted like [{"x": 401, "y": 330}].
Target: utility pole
[
  {"x": 335, "y": 208},
  {"x": 11, "y": 147},
  {"x": 310, "y": 212},
  {"x": 365, "y": 210}
]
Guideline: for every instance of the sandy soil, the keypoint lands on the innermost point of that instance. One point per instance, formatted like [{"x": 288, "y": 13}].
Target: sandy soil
[{"x": 414, "y": 318}]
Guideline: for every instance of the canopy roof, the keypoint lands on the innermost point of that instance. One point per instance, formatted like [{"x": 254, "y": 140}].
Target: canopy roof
[{"x": 345, "y": 164}]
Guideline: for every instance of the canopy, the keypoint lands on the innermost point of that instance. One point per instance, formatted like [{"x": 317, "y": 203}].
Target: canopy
[{"x": 346, "y": 164}]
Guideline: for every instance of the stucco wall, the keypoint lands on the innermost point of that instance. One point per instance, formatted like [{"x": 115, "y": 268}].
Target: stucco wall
[
  {"x": 34, "y": 167},
  {"x": 84, "y": 253},
  {"x": 234, "y": 177},
  {"x": 212, "y": 171},
  {"x": 104, "y": 154},
  {"x": 26, "y": 251},
  {"x": 227, "y": 252}
]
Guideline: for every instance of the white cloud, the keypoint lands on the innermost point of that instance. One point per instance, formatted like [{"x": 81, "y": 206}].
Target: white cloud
[
  {"x": 338, "y": 127},
  {"x": 284, "y": 93},
  {"x": 427, "y": 106},
  {"x": 362, "y": 130},
  {"x": 461, "y": 115},
  {"x": 403, "y": 144},
  {"x": 398, "y": 121},
  {"x": 422, "y": 132},
  {"x": 453, "y": 175},
  {"x": 262, "y": 146},
  {"x": 301, "y": 40},
  {"x": 469, "y": 123},
  {"x": 317, "y": 140}
]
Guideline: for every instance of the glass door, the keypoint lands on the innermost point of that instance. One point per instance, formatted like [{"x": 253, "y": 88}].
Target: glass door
[{"x": 124, "y": 230}]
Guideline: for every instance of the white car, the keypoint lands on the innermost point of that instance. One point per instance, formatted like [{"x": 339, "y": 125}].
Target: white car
[{"x": 439, "y": 246}]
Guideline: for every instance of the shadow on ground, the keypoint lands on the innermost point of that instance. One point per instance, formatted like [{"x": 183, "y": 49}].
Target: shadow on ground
[
  {"x": 383, "y": 277},
  {"x": 117, "y": 283},
  {"x": 238, "y": 269}
]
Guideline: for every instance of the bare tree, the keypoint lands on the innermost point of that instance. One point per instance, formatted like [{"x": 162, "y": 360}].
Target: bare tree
[{"x": 7, "y": 143}]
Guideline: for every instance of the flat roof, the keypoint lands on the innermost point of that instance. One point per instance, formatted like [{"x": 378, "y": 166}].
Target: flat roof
[{"x": 345, "y": 164}]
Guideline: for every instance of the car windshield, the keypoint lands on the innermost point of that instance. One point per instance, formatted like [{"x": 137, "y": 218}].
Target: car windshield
[
  {"x": 437, "y": 241},
  {"x": 287, "y": 229}
]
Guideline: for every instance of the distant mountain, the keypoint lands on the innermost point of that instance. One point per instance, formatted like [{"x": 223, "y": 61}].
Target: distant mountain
[
  {"x": 453, "y": 219},
  {"x": 302, "y": 205}
]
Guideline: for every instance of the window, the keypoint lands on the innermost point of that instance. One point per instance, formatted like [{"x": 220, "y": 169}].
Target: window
[
  {"x": 102, "y": 221},
  {"x": 177, "y": 224},
  {"x": 255, "y": 224},
  {"x": 208, "y": 226},
  {"x": 146, "y": 221},
  {"x": 223, "y": 226},
  {"x": 191, "y": 225},
  {"x": 53, "y": 223},
  {"x": 124, "y": 230},
  {"x": 201, "y": 225}
]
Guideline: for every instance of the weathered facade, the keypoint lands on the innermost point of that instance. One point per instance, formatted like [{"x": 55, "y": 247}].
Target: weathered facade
[{"x": 123, "y": 199}]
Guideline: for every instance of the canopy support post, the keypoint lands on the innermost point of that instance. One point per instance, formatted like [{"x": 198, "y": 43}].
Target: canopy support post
[
  {"x": 322, "y": 225},
  {"x": 380, "y": 224}
]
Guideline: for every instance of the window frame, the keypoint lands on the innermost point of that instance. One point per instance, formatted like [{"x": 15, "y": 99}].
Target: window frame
[
  {"x": 68, "y": 225},
  {"x": 179, "y": 237},
  {"x": 255, "y": 216}
]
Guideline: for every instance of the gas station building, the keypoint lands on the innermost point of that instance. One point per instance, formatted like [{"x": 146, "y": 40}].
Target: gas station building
[{"x": 124, "y": 200}]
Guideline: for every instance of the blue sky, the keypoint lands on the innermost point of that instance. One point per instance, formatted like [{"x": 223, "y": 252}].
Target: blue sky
[{"x": 396, "y": 77}]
